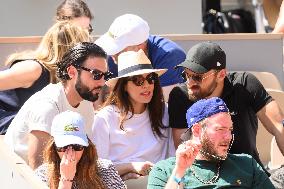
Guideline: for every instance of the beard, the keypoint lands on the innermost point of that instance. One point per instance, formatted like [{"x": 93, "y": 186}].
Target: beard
[
  {"x": 199, "y": 94},
  {"x": 84, "y": 91},
  {"x": 209, "y": 151}
]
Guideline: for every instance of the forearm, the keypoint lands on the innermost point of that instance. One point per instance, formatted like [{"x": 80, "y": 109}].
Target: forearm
[
  {"x": 124, "y": 168},
  {"x": 279, "y": 136}
]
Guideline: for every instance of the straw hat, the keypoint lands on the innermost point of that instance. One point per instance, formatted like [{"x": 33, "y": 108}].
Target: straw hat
[
  {"x": 132, "y": 63},
  {"x": 271, "y": 10}
]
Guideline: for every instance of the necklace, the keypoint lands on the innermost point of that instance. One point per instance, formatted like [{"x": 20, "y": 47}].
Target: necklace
[{"x": 213, "y": 180}]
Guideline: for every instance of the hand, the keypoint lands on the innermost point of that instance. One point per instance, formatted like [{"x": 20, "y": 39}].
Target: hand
[
  {"x": 68, "y": 164},
  {"x": 186, "y": 154},
  {"x": 142, "y": 168},
  {"x": 130, "y": 176}
]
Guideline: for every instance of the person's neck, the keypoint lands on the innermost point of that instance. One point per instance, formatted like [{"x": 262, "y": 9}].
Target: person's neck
[
  {"x": 72, "y": 95},
  {"x": 218, "y": 91},
  {"x": 139, "y": 108}
]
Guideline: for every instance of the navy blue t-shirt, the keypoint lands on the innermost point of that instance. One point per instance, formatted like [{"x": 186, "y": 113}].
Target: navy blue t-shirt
[{"x": 163, "y": 53}]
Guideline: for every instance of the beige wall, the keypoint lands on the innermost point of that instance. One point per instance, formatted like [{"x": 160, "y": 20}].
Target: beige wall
[{"x": 34, "y": 17}]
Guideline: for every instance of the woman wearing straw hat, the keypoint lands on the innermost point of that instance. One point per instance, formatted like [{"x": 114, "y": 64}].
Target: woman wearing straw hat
[
  {"x": 132, "y": 127},
  {"x": 71, "y": 159}
]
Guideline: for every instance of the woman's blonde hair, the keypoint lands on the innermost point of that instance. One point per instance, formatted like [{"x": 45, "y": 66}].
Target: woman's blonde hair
[
  {"x": 87, "y": 175},
  {"x": 55, "y": 43}
]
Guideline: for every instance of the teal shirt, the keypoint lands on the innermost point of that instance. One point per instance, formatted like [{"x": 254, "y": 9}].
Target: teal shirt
[{"x": 237, "y": 171}]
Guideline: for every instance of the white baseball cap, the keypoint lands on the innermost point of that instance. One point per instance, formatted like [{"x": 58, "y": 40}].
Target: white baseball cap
[
  {"x": 68, "y": 128},
  {"x": 126, "y": 30},
  {"x": 132, "y": 63}
]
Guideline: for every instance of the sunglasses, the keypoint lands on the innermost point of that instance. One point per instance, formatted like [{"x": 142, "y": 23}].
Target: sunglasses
[
  {"x": 139, "y": 80},
  {"x": 76, "y": 147},
  {"x": 196, "y": 78},
  {"x": 97, "y": 74}
]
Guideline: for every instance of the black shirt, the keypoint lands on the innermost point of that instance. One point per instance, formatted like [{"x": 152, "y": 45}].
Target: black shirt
[
  {"x": 244, "y": 95},
  {"x": 12, "y": 100}
]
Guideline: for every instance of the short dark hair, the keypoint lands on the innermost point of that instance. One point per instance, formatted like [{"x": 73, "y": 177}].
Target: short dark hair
[
  {"x": 76, "y": 56},
  {"x": 70, "y": 9}
]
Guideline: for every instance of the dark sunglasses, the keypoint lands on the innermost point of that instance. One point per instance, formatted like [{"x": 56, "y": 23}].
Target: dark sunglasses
[
  {"x": 97, "y": 74},
  {"x": 197, "y": 78},
  {"x": 75, "y": 147},
  {"x": 139, "y": 80},
  {"x": 90, "y": 29}
]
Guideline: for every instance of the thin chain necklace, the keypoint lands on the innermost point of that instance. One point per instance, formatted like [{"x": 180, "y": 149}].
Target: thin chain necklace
[{"x": 213, "y": 180}]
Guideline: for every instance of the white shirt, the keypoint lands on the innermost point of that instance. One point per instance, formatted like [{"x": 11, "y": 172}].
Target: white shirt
[
  {"x": 37, "y": 114},
  {"x": 136, "y": 143}
]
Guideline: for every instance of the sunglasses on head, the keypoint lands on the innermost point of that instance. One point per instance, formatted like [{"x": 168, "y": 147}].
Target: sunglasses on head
[
  {"x": 197, "y": 78},
  {"x": 75, "y": 147},
  {"x": 139, "y": 80},
  {"x": 97, "y": 74}
]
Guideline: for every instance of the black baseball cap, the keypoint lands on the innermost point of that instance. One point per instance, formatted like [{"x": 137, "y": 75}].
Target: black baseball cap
[{"x": 204, "y": 57}]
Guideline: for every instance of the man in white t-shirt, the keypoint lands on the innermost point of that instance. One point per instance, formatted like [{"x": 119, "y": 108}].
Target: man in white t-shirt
[{"x": 82, "y": 71}]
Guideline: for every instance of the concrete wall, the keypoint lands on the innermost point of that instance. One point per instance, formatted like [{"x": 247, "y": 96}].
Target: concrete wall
[{"x": 34, "y": 17}]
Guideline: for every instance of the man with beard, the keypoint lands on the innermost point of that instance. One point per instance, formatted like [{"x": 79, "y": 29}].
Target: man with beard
[
  {"x": 205, "y": 74},
  {"x": 82, "y": 71},
  {"x": 203, "y": 161}
]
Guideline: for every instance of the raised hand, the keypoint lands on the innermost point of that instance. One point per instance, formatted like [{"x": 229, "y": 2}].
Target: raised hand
[
  {"x": 186, "y": 154},
  {"x": 68, "y": 164}
]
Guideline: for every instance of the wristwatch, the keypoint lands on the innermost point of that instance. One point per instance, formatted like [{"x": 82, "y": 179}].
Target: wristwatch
[{"x": 178, "y": 180}]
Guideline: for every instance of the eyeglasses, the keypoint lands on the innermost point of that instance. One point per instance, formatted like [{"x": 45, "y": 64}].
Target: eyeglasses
[
  {"x": 75, "y": 147},
  {"x": 197, "y": 78},
  {"x": 97, "y": 74},
  {"x": 139, "y": 80},
  {"x": 90, "y": 29}
]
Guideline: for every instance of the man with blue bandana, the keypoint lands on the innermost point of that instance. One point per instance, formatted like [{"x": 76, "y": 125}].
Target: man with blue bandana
[{"x": 203, "y": 161}]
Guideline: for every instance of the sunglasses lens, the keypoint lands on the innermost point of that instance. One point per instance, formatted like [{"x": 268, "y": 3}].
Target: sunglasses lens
[
  {"x": 75, "y": 147},
  {"x": 108, "y": 75},
  {"x": 196, "y": 78},
  {"x": 151, "y": 78}
]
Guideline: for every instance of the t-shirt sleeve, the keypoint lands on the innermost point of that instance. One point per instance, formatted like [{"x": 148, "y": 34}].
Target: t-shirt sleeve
[
  {"x": 158, "y": 176},
  {"x": 168, "y": 61},
  {"x": 258, "y": 96},
  {"x": 177, "y": 108},
  {"x": 41, "y": 115},
  {"x": 260, "y": 179},
  {"x": 100, "y": 136}
]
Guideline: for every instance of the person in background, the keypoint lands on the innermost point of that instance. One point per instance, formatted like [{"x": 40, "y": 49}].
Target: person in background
[
  {"x": 76, "y": 11},
  {"x": 131, "y": 33},
  {"x": 132, "y": 127},
  {"x": 203, "y": 161},
  {"x": 206, "y": 76},
  {"x": 82, "y": 72},
  {"x": 30, "y": 71},
  {"x": 71, "y": 160}
]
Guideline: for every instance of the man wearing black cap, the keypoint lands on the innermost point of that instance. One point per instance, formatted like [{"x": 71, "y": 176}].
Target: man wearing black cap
[
  {"x": 246, "y": 98},
  {"x": 204, "y": 161}
]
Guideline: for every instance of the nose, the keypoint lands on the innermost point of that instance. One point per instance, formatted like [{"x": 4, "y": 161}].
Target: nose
[{"x": 101, "y": 82}]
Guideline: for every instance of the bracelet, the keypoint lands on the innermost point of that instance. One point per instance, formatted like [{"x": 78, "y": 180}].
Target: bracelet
[
  {"x": 178, "y": 180},
  {"x": 66, "y": 180}
]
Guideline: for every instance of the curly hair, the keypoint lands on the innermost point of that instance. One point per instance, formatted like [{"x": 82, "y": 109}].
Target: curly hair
[
  {"x": 76, "y": 57},
  {"x": 120, "y": 98},
  {"x": 87, "y": 175}
]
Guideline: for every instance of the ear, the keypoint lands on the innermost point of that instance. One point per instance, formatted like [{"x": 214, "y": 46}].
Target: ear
[
  {"x": 221, "y": 75},
  {"x": 196, "y": 130},
  {"x": 72, "y": 71}
]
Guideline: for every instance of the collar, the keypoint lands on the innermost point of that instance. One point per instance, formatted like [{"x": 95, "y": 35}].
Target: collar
[{"x": 227, "y": 89}]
